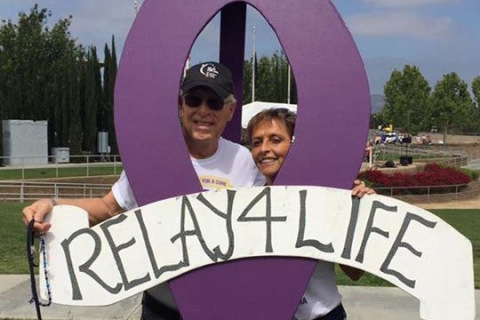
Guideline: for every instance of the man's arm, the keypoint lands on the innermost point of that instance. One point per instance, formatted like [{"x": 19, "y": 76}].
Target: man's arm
[{"x": 99, "y": 209}]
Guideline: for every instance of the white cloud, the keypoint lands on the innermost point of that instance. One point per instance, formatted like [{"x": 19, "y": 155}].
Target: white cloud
[
  {"x": 404, "y": 24},
  {"x": 406, "y": 3},
  {"x": 94, "y": 22}
]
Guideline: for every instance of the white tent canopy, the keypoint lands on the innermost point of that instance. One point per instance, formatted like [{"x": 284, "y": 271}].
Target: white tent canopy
[{"x": 251, "y": 109}]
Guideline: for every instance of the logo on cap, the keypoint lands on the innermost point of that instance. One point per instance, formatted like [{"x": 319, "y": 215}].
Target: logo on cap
[{"x": 209, "y": 70}]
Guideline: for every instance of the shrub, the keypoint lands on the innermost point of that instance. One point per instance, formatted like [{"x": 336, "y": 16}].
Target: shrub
[{"x": 433, "y": 175}]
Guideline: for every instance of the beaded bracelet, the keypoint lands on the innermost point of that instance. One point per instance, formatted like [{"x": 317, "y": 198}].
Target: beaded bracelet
[{"x": 45, "y": 270}]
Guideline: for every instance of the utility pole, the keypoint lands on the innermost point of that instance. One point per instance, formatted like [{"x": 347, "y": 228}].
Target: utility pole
[{"x": 288, "y": 82}]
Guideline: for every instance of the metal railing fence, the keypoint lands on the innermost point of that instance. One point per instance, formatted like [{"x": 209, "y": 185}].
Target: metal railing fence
[
  {"x": 83, "y": 165},
  {"x": 24, "y": 161},
  {"x": 21, "y": 191},
  {"x": 384, "y": 150},
  {"x": 426, "y": 192},
  {"x": 449, "y": 156},
  {"x": 30, "y": 191}
]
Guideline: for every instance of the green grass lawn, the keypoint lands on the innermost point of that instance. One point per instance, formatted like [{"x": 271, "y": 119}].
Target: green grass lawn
[
  {"x": 64, "y": 172},
  {"x": 466, "y": 222},
  {"x": 13, "y": 256}
]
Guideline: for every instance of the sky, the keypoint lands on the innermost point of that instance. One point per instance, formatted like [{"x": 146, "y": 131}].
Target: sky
[{"x": 438, "y": 36}]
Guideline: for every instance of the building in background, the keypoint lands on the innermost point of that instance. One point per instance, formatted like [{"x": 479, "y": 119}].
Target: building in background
[{"x": 25, "y": 142}]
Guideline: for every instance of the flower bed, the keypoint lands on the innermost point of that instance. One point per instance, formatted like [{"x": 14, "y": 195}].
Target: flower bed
[{"x": 434, "y": 179}]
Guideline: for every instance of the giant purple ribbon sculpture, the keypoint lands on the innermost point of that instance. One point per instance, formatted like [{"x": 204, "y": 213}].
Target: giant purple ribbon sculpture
[{"x": 333, "y": 100}]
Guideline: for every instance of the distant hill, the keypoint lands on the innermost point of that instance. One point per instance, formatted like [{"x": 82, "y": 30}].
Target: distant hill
[{"x": 378, "y": 101}]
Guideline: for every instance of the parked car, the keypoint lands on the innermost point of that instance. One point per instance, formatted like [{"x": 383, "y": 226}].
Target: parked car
[{"x": 389, "y": 137}]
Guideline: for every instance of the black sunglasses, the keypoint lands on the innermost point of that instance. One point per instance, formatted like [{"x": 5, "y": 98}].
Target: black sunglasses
[{"x": 194, "y": 101}]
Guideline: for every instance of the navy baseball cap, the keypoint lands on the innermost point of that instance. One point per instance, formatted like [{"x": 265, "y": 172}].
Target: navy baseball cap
[{"x": 209, "y": 74}]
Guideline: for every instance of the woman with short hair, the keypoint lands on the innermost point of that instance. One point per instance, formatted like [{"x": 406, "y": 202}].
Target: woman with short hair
[{"x": 270, "y": 134}]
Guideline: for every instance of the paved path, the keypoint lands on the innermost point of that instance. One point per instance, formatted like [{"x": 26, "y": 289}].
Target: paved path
[
  {"x": 362, "y": 303},
  {"x": 465, "y": 204},
  {"x": 473, "y": 164},
  {"x": 14, "y": 297}
]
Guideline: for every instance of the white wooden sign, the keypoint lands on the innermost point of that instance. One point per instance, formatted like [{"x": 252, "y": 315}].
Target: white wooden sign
[{"x": 129, "y": 253}]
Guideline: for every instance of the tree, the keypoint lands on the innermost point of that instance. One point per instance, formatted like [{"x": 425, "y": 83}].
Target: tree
[
  {"x": 35, "y": 66},
  {"x": 46, "y": 75},
  {"x": 264, "y": 87},
  {"x": 90, "y": 107},
  {"x": 452, "y": 105},
  {"x": 109, "y": 76},
  {"x": 476, "y": 106},
  {"x": 407, "y": 100},
  {"x": 271, "y": 79},
  {"x": 62, "y": 96},
  {"x": 476, "y": 91},
  {"x": 22, "y": 47},
  {"x": 75, "y": 128},
  {"x": 247, "y": 82}
]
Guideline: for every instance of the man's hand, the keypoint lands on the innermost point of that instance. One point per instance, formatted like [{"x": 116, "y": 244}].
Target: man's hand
[
  {"x": 360, "y": 189},
  {"x": 37, "y": 211}
]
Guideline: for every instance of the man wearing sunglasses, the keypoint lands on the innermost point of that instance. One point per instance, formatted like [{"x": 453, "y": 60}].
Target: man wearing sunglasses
[{"x": 206, "y": 105}]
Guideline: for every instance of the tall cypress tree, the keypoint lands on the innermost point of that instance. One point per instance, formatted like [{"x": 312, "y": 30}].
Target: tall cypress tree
[
  {"x": 99, "y": 98},
  {"x": 75, "y": 129},
  {"x": 113, "y": 76},
  {"x": 64, "y": 108},
  {"x": 90, "y": 106},
  {"x": 106, "y": 86},
  {"x": 109, "y": 75}
]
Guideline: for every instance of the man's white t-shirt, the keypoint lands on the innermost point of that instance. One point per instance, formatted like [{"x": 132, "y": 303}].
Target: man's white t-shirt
[{"x": 231, "y": 166}]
